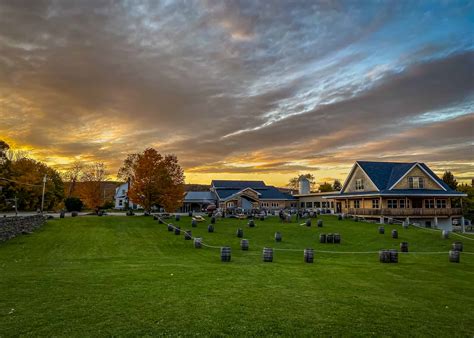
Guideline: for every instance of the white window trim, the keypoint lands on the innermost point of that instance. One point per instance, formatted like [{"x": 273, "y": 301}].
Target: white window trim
[{"x": 422, "y": 169}]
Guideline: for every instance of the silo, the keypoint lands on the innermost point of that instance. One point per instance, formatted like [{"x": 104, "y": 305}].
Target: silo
[{"x": 304, "y": 186}]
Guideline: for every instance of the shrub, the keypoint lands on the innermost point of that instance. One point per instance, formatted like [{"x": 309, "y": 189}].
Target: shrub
[{"x": 73, "y": 204}]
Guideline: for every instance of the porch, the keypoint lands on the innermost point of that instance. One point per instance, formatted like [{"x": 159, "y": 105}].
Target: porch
[{"x": 406, "y": 212}]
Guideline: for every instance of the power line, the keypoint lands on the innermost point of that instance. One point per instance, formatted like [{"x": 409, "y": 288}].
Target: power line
[{"x": 9, "y": 180}]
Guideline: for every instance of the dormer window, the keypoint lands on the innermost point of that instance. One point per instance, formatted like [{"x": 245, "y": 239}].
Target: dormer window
[
  {"x": 359, "y": 184},
  {"x": 415, "y": 182}
]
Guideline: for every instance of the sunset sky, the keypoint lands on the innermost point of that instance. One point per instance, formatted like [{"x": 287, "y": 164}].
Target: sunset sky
[{"x": 241, "y": 89}]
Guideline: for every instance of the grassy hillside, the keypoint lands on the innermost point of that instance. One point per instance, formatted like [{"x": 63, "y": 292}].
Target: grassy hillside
[{"x": 90, "y": 276}]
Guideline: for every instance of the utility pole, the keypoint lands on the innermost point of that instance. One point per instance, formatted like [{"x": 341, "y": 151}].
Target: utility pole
[
  {"x": 42, "y": 197},
  {"x": 16, "y": 205}
]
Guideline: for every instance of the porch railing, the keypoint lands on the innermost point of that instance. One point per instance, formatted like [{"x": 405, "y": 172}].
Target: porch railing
[{"x": 404, "y": 212}]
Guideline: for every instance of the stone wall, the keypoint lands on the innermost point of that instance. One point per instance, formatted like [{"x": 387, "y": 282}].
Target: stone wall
[{"x": 13, "y": 226}]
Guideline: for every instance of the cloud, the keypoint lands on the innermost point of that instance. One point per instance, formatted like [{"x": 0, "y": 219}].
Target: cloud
[{"x": 280, "y": 87}]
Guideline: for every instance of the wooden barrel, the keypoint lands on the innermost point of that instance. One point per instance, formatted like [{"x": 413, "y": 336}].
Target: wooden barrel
[
  {"x": 213, "y": 220},
  {"x": 404, "y": 246},
  {"x": 177, "y": 218},
  {"x": 394, "y": 233},
  {"x": 62, "y": 214},
  {"x": 454, "y": 256},
  {"x": 170, "y": 227},
  {"x": 393, "y": 256},
  {"x": 308, "y": 255},
  {"x": 225, "y": 254},
  {"x": 445, "y": 234},
  {"x": 308, "y": 222},
  {"x": 177, "y": 230},
  {"x": 251, "y": 223},
  {"x": 194, "y": 223},
  {"x": 277, "y": 236},
  {"x": 190, "y": 214},
  {"x": 405, "y": 225},
  {"x": 267, "y": 255},
  {"x": 188, "y": 235},
  {"x": 198, "y": 242},
  {"x": 322, "y": 238},
  {"x": 210, "y": 228},
  {"x": 320, "y": 223},
  {"x": 339, "y": 217},
  {"x": 240, "y": 233},
  {"x": 330, "y": 238},
  {"x": 457, "y": 246},
  {"x": 244, "y": 244},
  {"x": 384, "y": 256},
  {"x": 381, "y": 230},
  {"x": 337, "y": 239}
]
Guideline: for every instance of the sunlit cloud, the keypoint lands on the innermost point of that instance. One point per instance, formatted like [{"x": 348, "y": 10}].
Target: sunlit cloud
[{"x": 254, "y": 90}]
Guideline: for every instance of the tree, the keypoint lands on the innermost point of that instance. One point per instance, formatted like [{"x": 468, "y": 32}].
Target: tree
[
  {"x": 294, "y": 182},
  {"x": 449, "y": 179},
  {"x": 26, "y": 177},
  {"x": 90, "y": 189},
  {"x": 154, "y": 179},
  {"x": 73, "y": 204},
  {"x": 73, "y": 175},
  {"x": 3, "y": 150},
  {"x": 325, "y": 187},
  {"x": 337, "y": 186},
  {"x": 467, "y": 202}
]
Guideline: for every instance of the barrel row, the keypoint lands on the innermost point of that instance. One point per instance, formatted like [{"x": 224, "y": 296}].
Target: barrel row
[{"x": 330, "y": 238}]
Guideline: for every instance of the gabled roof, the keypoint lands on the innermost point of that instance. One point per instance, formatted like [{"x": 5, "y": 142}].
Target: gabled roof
[
  {"x": 268, "y": 192},
  {"x": 227, "y": 184},
  {"x": 385, "y": 175}
]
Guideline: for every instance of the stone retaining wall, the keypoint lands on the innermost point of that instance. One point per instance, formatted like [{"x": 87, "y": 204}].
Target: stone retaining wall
[{"x": 11, "y": 227}]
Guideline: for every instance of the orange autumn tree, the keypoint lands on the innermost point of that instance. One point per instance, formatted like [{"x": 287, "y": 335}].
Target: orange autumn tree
[{"x": 154, "y": 180}]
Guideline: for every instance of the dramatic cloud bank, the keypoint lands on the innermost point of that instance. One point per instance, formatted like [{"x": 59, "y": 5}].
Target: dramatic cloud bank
[{"x": 240, "y": 89}]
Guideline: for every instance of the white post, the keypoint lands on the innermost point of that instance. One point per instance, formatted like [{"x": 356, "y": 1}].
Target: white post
[
  {"x": 463, "y": 227},
  {"x": 16, "y": 205},
  {"x": 42, "y": 197}
]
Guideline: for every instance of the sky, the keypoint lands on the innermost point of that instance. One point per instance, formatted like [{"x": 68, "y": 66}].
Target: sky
[{"x": 240, "y": 89}]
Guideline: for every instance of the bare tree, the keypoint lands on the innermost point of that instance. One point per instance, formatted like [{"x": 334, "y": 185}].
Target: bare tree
[{"x": 72, "y": 175}]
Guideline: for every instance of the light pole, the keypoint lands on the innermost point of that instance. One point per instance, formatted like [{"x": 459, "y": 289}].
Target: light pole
[{"x": 42, "y": 197}]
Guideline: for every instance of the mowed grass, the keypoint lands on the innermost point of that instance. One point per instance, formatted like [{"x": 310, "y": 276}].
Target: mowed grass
[{"x": 96, "y": 276}]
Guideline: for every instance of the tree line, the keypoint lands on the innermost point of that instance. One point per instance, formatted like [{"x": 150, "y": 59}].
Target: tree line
[{"x": 155, "y": 181}]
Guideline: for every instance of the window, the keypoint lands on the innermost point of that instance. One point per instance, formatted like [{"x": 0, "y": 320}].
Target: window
[
  {"x": 332, "y": 205},
  {"x": 317, "y": 204},
  {"x": 375, "y": 203},
  {"x": 323, "y": 204},
  {"x": 429, "y": 204},
  {"x": 356, "y": 204},
  {"x": 120, "y": 202},
  {"x": 302, "y": 205},
  {"x": 415, "y": 182},
  {"x": 309, "y": 204},
  {"x": 392, "y": 204},
  {"x": 359, "y": 184},
  {"x": 401, "y": 203},
  {"x": 441, "y": 204}
]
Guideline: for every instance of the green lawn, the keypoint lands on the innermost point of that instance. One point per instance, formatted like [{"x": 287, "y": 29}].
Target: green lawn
[{"x": 95, "y": 276}]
